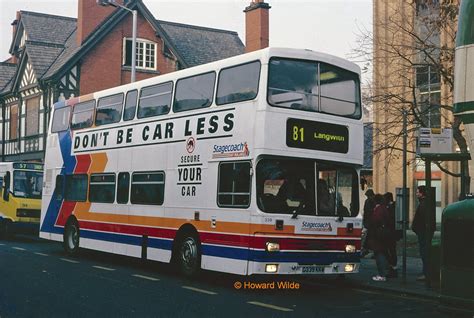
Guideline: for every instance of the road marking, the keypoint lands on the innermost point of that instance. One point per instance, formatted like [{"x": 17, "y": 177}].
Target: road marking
[
  {"x": 69, "y": 260},
  {"x": 257, "y": 303},
  {"x": 104, "y": 268},
  {"x": 1, "y": 244},
  {"x": 200, "y": 290},
  {"x": 146, "y": 277},
  {"x": 19, "y": 248},
  {"x": 41, "y": 254}
]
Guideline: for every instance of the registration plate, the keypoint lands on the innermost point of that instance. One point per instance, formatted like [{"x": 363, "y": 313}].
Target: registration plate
[{"x": 309, "y": 269}]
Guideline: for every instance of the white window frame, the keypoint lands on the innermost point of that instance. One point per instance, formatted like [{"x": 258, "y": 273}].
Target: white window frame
[{"x": 141, "y": 45}]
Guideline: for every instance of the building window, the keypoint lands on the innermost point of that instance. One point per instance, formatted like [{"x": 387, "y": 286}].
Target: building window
[
  {"x": 13, "y": 122},
  {"x": 32, "y": 116},
  {"x": 146, "y": 54}
]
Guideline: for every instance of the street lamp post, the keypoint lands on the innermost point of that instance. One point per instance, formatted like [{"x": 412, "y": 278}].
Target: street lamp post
[{"x": 106, "y": 3}]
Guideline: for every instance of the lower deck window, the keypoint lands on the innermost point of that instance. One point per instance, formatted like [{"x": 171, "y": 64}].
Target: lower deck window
[
  {"x": 102, "y": 188},
  {"x": 234, "y": 185},
  {"x": 148, "y": 188},
  {"x": 76, "y": 187}
]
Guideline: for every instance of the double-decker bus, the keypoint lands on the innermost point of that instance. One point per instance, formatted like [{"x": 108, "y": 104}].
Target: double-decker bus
[
  {"x": 247, "y": 165},
  {"x": 20, "y": 201}
]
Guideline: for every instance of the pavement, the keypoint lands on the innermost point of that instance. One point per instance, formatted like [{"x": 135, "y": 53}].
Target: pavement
[
  {"x": 404, "y": 284},
  {"x": 407, "y": 284}
]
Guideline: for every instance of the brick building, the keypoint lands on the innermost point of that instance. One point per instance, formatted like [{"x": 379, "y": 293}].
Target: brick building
[{"x": 55, "y": 57}]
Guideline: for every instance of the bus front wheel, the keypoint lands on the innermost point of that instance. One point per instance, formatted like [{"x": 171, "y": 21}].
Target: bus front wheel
[
  {"x": 71, "y": 237},
  {"x": 189, "y": 255}
]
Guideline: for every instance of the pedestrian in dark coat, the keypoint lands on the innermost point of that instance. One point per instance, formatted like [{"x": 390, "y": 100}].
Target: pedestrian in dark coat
[
  {"x": 378, "y": 240},
  {"x": 369, "y": 206},
  {"x": 419, "y": 227},
  {"x": 392, "y": 243}
]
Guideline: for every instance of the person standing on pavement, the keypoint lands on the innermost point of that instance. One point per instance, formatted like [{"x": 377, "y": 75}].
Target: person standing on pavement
[
  {"x": 392, "y": 243},
  {"x": 419, "y": 227},
  {"x": 369, "y": 206},
  {"x": 378, "y": 239}
]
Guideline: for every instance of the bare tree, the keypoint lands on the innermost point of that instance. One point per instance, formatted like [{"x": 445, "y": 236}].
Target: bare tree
[{"x": 412, "y": 57}]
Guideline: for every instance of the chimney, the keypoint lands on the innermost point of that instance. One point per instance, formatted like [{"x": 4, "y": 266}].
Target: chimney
[
  {"x": 256, "y": 25},
  {"x": 89, "y": 15},
  {"x": 14, "y": 25}
]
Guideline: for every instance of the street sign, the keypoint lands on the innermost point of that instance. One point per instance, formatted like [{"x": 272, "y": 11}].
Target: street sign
[{"x": 435, "y": 140}]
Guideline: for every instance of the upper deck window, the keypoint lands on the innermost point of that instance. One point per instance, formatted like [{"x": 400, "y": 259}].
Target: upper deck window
[
  {"x": 130, "y": 105},
  {"x": 109, "y": 109},
  {"x": 313, "y": 86},
  {"x": 155, "y": 100},
  {"x": 82, "y": 115},
  {"x": 238, "y": 83},
  {"x": 194, "y": 92},
  {"x": 61, "y": 119}
]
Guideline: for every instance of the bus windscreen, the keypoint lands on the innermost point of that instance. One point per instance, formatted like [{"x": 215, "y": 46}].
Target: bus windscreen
[{"x": 27, "y": 184}]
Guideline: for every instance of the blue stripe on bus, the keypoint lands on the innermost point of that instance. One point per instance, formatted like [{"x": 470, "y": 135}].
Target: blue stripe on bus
[
  {"x": 126, "y": 239},
  {"x": 65, "y": 144}
]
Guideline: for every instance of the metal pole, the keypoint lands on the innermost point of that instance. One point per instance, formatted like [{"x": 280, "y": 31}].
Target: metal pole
[
  {"x": 405, "y": 203},
  {"x": 134, "y": 46},
  {"x": 429, "y": 211}
]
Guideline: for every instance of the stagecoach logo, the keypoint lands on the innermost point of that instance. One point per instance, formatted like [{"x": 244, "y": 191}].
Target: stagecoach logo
[
  {"x": 316, "y": 226},
  {"x": 190, "y": 145},
  {"x": 231, "y": 150}
]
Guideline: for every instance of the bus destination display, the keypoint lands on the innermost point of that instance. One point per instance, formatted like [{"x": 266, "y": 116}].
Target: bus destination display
[
  {"x": 28, "y": 166},
  {"x": 317, "y": 135}
]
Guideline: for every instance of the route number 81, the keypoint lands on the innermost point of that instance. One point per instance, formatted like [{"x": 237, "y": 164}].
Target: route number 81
[{"x": 298, "y": 133}]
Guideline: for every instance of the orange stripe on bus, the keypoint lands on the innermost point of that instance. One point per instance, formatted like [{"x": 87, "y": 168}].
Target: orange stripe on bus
[{"x": 98, "y": 162}]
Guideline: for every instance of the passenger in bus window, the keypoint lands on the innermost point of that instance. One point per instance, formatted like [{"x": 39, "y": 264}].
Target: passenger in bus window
[
  {"x": 292, "y": 192},
  {"x": 325, "y": 203},
  {"x": 341, "y": 209}
]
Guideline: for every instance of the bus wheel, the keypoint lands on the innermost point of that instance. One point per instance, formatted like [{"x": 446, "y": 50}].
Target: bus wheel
[
  {"x": 189, "y": 255},
  {"x": 71, "y": 237}
]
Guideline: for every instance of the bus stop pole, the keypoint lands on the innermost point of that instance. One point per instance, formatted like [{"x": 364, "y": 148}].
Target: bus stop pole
[
  {"x": 428, "y": 212},
  {"x": 404, "y": 193}
]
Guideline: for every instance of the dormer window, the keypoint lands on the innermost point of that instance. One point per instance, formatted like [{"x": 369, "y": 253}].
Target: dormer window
[{"x": 146, "y": 54}]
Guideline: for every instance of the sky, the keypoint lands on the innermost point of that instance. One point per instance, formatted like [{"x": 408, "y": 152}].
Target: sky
[{"x": 329, "y": 26}]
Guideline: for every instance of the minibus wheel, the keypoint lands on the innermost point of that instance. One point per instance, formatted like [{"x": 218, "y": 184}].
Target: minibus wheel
[
  {"x": 71, "y": 237},
  {"x": 189, "y": 254}
]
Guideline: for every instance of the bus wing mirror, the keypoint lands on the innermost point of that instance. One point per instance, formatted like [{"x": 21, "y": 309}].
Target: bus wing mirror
[{"x": 6, "y": 187}]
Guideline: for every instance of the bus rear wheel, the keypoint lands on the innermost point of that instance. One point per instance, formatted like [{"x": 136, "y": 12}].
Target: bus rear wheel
[
  {"x": 71, "y": 237},
  {"x": 189, "y": 255}
]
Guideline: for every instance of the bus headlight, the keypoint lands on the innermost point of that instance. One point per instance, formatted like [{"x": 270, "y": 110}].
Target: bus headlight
[
  {"x": 349, "y": 268},
  {"x": 271, "y": 268},
  {"x": 272, "y": 247},
  {"x": 350, "y": 248}
]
